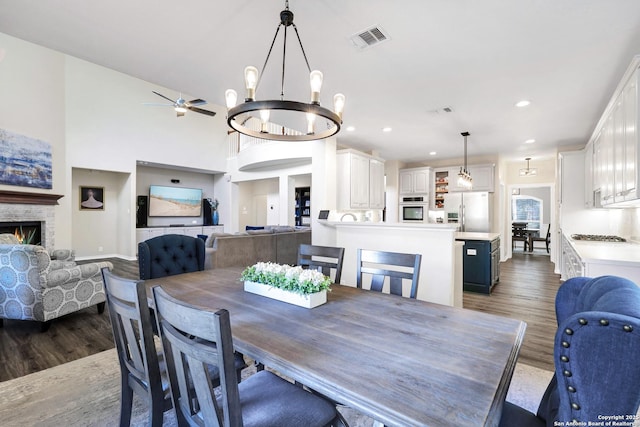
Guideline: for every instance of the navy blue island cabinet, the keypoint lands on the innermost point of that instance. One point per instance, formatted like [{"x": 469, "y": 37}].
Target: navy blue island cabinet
[{"x": 481, "y": 264}]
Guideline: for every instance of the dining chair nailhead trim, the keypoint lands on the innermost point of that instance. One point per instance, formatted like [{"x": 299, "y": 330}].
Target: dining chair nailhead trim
[{"x": 604, "y": 322}]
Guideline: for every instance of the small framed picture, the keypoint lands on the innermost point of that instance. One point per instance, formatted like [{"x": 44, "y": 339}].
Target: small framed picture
[{"x": 91, "y": 198}]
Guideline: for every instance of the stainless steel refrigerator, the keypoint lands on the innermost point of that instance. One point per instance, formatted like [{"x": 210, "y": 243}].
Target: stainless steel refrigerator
[{"x": 472, "y": 210}]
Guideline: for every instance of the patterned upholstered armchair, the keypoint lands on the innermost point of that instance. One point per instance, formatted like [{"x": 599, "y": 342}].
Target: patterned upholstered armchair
[
  {"x": 62, "y": 255},
  {"x": 34, "y": 287}
]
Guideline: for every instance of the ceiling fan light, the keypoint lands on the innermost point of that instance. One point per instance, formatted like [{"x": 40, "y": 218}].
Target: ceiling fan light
[
  {"x": 315, "y": 80},
  {"x": 181, "y": 109}
]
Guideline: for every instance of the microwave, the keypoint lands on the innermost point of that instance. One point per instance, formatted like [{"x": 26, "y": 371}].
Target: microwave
[{"x": 414, "y": 213}]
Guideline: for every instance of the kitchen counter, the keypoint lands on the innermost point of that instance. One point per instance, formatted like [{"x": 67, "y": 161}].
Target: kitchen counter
[
  {"x": 623, "y": 253},
  {"x": 403, "y": 225},
  {"x": 596, "y": 258},
  {"x": 463, "y": 235}
]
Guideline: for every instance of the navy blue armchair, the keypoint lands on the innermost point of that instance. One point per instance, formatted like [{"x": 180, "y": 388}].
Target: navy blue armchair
[
  {"x": 170, "y": 254},
  {"x": 596, "y": 350}
]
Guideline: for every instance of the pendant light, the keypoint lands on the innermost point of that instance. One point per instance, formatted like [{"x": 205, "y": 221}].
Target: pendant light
[
  {"x": 464, "y": 177},
  {"x": 528, "y": 171}
]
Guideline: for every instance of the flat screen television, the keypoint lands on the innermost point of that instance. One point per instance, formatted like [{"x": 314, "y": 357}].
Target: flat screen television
[{"x": 174, "y": 201}]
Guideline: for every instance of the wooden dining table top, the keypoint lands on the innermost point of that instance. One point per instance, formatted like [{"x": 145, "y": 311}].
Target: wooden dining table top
[{"x": 401, "y": 361}]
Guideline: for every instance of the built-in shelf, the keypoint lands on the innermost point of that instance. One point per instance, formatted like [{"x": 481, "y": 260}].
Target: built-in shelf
[{"x": 19, "y": 197}]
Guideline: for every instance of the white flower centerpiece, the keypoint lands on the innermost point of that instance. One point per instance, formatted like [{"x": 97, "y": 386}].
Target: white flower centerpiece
[{"x": 294, "y": 285}]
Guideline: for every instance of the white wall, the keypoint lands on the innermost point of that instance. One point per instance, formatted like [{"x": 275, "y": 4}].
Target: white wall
[{"x": 32, "y": 93}]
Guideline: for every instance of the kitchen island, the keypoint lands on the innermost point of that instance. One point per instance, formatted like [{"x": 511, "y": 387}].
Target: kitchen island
[
  {"x": 481, "y": 260},
  {"x": 441, "y": 266}
]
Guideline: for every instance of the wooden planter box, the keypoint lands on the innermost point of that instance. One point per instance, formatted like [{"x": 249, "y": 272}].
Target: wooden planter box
[{"x": 307, "y": 301}]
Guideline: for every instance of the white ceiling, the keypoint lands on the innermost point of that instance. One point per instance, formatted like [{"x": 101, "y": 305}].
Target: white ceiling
[{"x": 477, "y": 57}]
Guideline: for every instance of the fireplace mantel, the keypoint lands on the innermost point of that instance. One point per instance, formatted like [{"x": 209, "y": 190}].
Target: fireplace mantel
[{"x": 29, "y": 198}]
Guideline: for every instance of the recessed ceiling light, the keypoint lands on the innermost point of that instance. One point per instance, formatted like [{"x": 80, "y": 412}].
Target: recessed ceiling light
[
  {"x": 350, "y": 128},
  {"x": 530, "y": 141},
  {"x": 523, "y": 103},
  {"x": 386, "y": 129},
  {"x": 433, "y": 153}
]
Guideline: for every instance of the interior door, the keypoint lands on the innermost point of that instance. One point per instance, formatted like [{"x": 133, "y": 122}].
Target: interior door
[{"x": 260, "y": 210}]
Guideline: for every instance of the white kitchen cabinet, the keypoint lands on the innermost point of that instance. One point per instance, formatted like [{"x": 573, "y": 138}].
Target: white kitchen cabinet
[
  {"x": 588, "y": 176},
  {"x": 572, "y": 265},
  {"x": 376, "y": 184},
  {"x": 360, "y": 181},
  {"x": 415, "y": 181},
  {"x": 614, "y": 175},
  {"x": 630, "y": 120},
  {"x": 482, "y": 175}
]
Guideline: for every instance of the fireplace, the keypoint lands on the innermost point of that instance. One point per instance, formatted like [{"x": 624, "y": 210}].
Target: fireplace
[
  {"x": 31, "y": 210},
  {"x": 27, "y": 232}
]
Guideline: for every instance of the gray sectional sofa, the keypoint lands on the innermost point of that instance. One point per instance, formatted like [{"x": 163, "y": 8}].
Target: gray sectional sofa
[{"x": 273, "y": 243}]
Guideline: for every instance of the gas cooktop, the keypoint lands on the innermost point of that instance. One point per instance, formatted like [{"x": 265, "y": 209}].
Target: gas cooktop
[{"x": 598, "y": 238}]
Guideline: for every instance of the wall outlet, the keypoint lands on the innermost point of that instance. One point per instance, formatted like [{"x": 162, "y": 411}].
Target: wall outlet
[{"x": 100, "y": 248}]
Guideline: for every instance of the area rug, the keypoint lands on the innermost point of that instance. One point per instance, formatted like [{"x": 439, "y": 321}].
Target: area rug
[{"x": 86, "y": 392}]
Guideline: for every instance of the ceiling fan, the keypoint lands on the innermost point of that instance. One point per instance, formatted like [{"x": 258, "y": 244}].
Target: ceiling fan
[{"x": 181, "y": 105}]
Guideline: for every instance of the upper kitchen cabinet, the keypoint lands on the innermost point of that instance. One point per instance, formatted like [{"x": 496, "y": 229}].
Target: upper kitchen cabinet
[
  {"x": 614, "y": 144},
  {"x": 360, "y": 180},
  {"x": 482, "y": 175},
  {"x": 414, "y": 181}
]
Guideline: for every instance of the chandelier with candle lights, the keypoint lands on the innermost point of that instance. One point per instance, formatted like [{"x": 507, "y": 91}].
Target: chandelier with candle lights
[{"x": 316, "y": 121}]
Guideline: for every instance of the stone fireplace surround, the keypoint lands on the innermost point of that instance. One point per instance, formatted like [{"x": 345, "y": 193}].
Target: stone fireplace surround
[{"x": 18, "y": 207}]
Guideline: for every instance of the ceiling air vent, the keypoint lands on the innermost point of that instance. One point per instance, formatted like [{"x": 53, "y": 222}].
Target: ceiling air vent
[{"x": 369, "y": 37}]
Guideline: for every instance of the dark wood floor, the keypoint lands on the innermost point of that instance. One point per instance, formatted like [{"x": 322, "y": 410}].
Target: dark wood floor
[{"x": 526, "y": 291}]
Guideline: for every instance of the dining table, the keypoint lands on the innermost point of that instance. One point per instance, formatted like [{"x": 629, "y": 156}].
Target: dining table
[{"x": 403, "y": 362}]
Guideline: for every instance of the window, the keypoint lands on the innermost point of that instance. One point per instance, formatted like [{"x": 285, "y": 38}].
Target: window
[{"x": 527, "y": 209}]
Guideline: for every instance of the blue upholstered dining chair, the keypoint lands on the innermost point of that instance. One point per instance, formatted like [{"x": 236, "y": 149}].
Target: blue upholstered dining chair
[
  {"x": 170, "y": 254},
  {"x": 595, "y": 355},
  {"x": 194, "y": 337}
]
